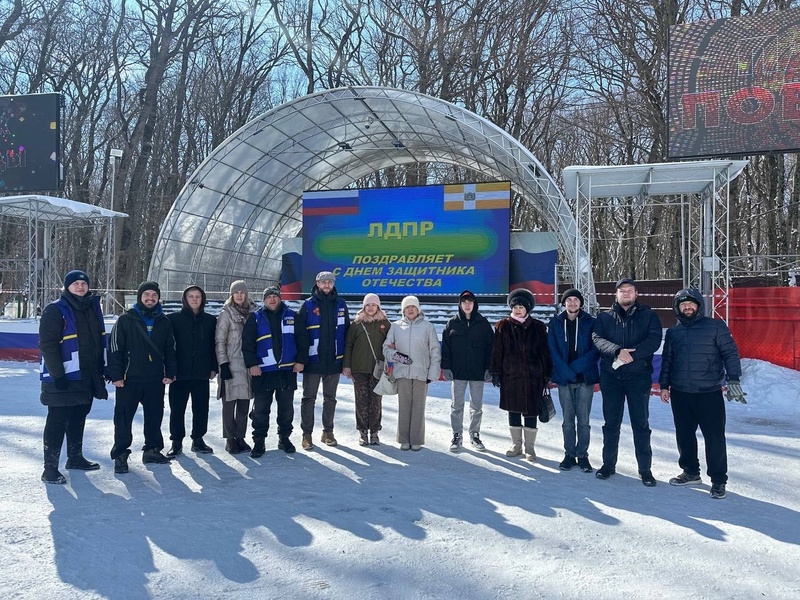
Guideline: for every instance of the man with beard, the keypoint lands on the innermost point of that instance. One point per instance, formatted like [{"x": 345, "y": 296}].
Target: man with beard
[
  {"x": 269, "y": 348},
  {"x": 322, "y": 324},
  {"x": 141, "y": 362},
  {"x": 698, "y": 352},
  {"x": 627, "y": 336},
  {"x": 196, "y": 357},
  {"x": 72, "y": 345},
  {"x": 569, "y": 336}
]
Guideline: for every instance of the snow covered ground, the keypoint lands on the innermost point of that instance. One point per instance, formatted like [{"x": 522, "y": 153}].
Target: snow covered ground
[{"x": 352, "y": 522}]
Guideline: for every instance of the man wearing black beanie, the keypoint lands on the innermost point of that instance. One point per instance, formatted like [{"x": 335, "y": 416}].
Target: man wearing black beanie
[{"x": 141, "y": 362}]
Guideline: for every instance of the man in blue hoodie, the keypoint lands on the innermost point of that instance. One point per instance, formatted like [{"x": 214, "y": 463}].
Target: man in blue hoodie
[{"x": 569, "y": 336}]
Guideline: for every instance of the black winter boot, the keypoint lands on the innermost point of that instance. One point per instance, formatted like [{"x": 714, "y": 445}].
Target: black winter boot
[
  {"x": 285, "y": 444},
  {"x": 121, "y": 462},
  {"x": 258, "y": 449},
  {"x": 176, "y": 449},
  {"x": 81, "y": 464},
  {"x": 154, "y": 456},
  {"x": 51, "y": 475}
]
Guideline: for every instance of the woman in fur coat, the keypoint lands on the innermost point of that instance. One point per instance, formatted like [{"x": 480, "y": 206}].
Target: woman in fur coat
[
  {"x": 521, "y": 367},
  {"x": 362, "y": 347},
  {"x": 234, "y": 389}
]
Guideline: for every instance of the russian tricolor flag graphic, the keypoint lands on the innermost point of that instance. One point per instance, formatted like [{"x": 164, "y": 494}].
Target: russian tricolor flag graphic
[{"x": 343, "y": 202}]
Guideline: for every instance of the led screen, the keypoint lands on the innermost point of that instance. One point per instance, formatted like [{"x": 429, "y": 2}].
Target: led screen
[
  {"x": 734, "y": 86},
  {"x": 30, "y": 143},
  {"x": 428, "y": 240}
]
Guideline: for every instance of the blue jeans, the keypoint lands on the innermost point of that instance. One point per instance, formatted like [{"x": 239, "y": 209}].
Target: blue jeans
[{"x": 576, "y": 404}]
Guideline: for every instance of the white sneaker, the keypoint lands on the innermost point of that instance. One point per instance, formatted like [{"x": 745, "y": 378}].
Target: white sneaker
[
  {"x": 405, "y": 446},
  {"x": 455, "y": 445}
]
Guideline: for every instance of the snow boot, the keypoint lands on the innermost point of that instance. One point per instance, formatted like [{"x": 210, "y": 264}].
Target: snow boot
[
  {"x": 530, "y": 438},
  {"x": 199, "y": 446},
  {"x": 516, "y": 441},
  {"x": 285, "y": 444},
  {"x": 121, "y": 462},
  {"x": 52, "y": 475},
  {"x": 80, "y": 463},
  {"x": 258, "y": 449},
  {"x": 175, "y": 450},
  {"x": 154, "y": 456}
]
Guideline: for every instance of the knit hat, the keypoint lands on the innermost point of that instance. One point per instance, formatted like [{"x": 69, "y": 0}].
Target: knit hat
[
  {"x": 239, "y": 286},
  {"x": 74, "y": 276},
  {"x": 371, "y": 299},
  {"x": 625, "y": 281},
  {"x": 326, "y": 276},
  {"x": 522, "y": 297},
  {"x": 572, "y": 293},
  {"x": 409, "y": 301},
  {"x": 144, "y": 286},
  {"x": 272, "y": 290}
]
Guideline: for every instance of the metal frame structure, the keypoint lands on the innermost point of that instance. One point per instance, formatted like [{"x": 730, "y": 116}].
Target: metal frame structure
[
  {"x": 704, "y": 191},
  {"x": 43, "y": 215},
  {"x": 231, "y": 218}
]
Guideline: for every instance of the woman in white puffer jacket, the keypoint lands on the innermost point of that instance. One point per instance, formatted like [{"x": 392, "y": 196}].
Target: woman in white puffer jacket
[{"x": 413, "y": 346}]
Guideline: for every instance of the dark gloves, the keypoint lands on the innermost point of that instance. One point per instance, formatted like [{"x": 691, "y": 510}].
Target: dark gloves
[
  {"x": 225, "y": 372},
  {"x": 735, "y": 392},
  {"x": 496, "y": 380},
  {"x": 448, "y": 375},
  {"x": 61, "y": 383}
]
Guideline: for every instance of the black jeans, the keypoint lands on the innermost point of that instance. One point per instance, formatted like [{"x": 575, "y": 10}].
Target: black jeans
[
  {"x": 262, "y": 406},
  {"x": 61, "y": 421},
  {"x": 151, "y": 397},
  {"x": 179, "y": 392},
  {"x": 637, "y": 393},
  {"x": 706, "y": 410}
]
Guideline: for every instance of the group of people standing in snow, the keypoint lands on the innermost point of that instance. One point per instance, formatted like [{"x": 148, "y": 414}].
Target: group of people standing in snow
[{"x": 256, "y": 354}]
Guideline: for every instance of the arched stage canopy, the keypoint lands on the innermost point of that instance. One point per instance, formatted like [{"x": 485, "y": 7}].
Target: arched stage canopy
[{"x": 231, "y": 218}]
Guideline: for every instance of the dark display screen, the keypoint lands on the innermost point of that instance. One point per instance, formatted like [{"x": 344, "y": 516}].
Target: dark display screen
[
  {"x": 30, "y": 143},
  {"x": 734, "y": 86}
]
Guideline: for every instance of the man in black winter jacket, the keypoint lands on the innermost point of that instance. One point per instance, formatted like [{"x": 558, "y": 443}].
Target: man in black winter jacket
[
  {"x": 71, "y": 341},
  {"x": 141, "y": 362},
  {"x": 698, "y": 353},
  {"x": 194, "y": 330},
  {"x": 627, "y": 336},
  {"x": 466, "y": 353}
]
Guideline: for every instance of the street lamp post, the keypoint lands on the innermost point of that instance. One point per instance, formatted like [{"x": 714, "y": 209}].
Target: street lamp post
[{"x": 110, "y": 245}]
